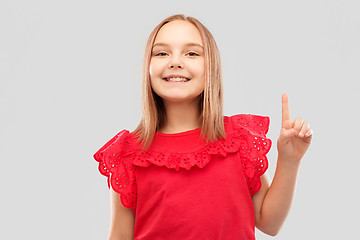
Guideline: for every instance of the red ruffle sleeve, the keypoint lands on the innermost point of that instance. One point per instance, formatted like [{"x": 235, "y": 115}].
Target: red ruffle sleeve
[
  {"x": 118, "y": 168},
  {"x": 251, "y": 131}
]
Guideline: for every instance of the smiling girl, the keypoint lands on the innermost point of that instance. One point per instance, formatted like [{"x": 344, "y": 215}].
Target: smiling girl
[{"x": 187, "y": 171}]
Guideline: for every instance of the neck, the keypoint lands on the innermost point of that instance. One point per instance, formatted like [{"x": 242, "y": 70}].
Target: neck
[{"x": 181, "y": 116}]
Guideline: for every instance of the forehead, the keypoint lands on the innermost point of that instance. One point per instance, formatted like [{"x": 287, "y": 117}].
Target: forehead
[{"x": 178, "y": 32}]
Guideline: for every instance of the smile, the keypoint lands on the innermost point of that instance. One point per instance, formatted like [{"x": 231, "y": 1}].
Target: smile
[{"x": 176, "y": 79}]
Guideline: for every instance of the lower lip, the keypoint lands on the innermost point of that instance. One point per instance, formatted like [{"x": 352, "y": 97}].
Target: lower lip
[{"x": 176, "y": 82}]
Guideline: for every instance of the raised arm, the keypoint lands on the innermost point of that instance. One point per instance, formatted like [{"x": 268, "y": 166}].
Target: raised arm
[{"x": 272, "y": 204}]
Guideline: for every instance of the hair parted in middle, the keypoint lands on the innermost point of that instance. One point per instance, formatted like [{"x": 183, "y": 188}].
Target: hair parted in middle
[{"x": 211, "y": 99}]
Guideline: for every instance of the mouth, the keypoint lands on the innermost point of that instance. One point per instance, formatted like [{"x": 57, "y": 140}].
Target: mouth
[{"x": 176, "y": 79}]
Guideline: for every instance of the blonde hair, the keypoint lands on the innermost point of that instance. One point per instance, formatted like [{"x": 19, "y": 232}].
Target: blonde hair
[{"x": 211, "y": 99}]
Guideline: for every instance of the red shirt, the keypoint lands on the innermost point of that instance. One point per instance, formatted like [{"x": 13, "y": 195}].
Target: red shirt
[{"x": 183, "y": 188}]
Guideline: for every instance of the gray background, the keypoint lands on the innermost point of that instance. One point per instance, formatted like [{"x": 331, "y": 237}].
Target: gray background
[{"x": 70, "y": 79}]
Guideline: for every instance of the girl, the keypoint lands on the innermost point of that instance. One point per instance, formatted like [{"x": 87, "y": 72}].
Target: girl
[{"x": 187, "y": 171}]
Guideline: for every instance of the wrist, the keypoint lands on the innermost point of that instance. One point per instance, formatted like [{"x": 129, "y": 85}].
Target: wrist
[{"x": 287, "y": 162}]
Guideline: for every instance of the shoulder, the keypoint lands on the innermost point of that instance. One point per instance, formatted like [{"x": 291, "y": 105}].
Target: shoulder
[
  {"x": 256, "y": 124},
  {"x": 245, "y": 119},
  {"x": 120, "y": 144}
]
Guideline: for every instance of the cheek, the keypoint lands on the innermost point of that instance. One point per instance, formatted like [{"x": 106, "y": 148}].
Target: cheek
[
  {"x": 151, "y": 68},
  {"x": 154, "y": 68},
  {"x": 199, "y": 68}
]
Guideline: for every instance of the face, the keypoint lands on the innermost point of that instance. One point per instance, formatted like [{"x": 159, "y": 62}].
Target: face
[{"x": 178, "y": 50}]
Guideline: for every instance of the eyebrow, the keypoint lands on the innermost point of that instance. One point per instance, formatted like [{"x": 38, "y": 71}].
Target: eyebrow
[{"x": 187, "y": 44}]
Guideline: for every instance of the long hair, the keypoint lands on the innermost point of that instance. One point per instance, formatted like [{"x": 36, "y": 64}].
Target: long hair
[{"x": 211, "y": 99}]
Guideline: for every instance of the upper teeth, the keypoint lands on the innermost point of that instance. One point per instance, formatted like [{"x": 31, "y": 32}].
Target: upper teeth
[{"x": 177, "y": 79}]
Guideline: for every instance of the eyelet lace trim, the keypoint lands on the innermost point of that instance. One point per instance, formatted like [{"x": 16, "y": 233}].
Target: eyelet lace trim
[
  {"x": 118, "y": 168},
  {"x": 118, "y": 157},
  {"x": 251, "y": 132},
  {"x": 248, "y": 138}
]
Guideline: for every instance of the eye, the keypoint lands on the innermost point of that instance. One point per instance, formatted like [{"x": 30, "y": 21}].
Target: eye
[
  {"x": 160, "y": 54},
  {"x": 193, "y": 54}
]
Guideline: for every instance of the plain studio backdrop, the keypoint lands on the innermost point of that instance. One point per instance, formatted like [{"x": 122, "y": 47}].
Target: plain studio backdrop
[{"x": 70, "y": 79}]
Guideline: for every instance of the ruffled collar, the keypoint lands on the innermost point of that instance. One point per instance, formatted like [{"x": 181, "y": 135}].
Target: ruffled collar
[
  {"x": 188, "y": 149},
  {"x": 245, "y": 134}
]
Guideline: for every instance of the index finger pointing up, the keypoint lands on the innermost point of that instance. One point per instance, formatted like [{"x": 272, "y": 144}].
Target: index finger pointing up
[{"x": 285, "y": 110}]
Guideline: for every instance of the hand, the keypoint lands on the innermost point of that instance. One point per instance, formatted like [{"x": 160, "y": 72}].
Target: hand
[{"x": 295, "y": 136}]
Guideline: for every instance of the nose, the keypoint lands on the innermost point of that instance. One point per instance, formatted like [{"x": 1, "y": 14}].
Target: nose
[
  {"x": 175, "y": 62},
  {"x": 175, "y": 65}
]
